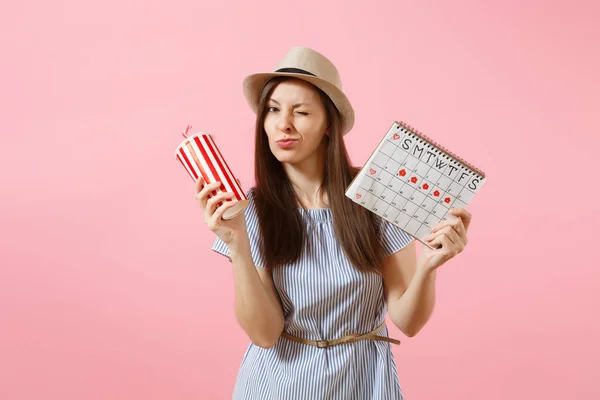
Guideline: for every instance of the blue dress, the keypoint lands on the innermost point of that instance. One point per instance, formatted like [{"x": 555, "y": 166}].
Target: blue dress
[{"x": 324, "y": 297}]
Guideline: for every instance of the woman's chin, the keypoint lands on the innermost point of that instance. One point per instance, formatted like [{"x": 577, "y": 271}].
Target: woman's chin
[{"x": 286, "y": 158}]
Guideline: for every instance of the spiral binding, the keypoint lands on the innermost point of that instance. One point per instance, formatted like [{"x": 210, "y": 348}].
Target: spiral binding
[{"x": 441, "y": 148}]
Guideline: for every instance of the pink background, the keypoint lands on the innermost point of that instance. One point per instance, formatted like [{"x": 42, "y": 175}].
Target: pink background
[{"x": 108, "y": 286}]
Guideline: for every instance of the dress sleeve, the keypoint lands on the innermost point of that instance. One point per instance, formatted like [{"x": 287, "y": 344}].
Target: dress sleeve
[
  {"x": 253, "y": 234},
  {"x": 393, "y": 238}
]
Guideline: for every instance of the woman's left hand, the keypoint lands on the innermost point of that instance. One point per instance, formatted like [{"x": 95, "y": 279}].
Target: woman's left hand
[{"x": 451, "y": 235}]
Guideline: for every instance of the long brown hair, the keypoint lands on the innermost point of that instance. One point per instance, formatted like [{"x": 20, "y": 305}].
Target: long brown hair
[{"x": 280, "y": 223}]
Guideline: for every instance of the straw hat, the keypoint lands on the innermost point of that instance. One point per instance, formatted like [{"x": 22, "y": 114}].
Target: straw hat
[{"x": 306, "y": 64}]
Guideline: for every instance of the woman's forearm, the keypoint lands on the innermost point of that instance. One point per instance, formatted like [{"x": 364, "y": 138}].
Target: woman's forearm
[
  {"x": 257, "y": 312},
  {"x": 412, "y": 310}
]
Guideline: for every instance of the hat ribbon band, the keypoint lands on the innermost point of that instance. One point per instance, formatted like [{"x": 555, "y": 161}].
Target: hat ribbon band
[{"x": 295, "y": 71}]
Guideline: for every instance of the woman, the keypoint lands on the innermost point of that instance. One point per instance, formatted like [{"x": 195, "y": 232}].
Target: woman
[{"x": 315, "y": 272}]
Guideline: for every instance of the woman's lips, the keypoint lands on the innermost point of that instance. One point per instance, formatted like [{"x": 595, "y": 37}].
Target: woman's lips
[{"x": 286, "y": 143}]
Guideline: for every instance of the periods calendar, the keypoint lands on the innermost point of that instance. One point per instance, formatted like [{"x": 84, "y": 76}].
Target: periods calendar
[{"x": 412, "y": 181}]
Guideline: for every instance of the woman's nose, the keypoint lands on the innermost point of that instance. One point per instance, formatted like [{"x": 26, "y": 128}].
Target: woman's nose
[{"x": 285, "y": 122}]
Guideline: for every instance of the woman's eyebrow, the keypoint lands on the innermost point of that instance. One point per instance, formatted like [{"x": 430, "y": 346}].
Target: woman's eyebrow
[{"x": 294, "y": 106}]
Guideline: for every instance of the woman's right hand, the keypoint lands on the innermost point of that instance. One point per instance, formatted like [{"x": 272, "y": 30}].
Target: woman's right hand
[{"x": 230, "y": 231}]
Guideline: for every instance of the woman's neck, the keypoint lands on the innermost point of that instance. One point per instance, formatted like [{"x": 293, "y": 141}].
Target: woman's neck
[
  {"x": 308, "y": 195},
  {"x": 306, "y": 179}
]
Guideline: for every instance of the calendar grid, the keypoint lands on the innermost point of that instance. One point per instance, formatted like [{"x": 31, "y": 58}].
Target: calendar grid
[{"x": 412, "y": 182}]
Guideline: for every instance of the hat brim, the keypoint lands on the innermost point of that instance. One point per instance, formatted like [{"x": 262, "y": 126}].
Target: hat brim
[{"x": 254, "y": 83}]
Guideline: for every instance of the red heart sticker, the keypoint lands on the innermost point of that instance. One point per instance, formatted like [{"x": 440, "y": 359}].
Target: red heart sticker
[
  {"x": 447, "y": 199},
  {"x": 413, "y": 179},
  {"x": 436, "y": 193},
  {"x": 396, "y": 136},
  {"x": 402, "y": 172},
  {"x": 372, "y": 171},
  {"x": 425, "y": 186},
  {"x": 358, "y": 195}
]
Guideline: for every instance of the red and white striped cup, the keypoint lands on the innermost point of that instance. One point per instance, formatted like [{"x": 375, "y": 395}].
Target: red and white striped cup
[{"x": 200, "y": 156}]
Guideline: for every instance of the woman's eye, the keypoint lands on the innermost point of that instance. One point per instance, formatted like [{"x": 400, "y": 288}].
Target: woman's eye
[{"x": 272, "y": 109}]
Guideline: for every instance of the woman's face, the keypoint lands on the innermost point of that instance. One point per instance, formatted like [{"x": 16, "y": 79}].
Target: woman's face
[{"x": 295, "y": 121}]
